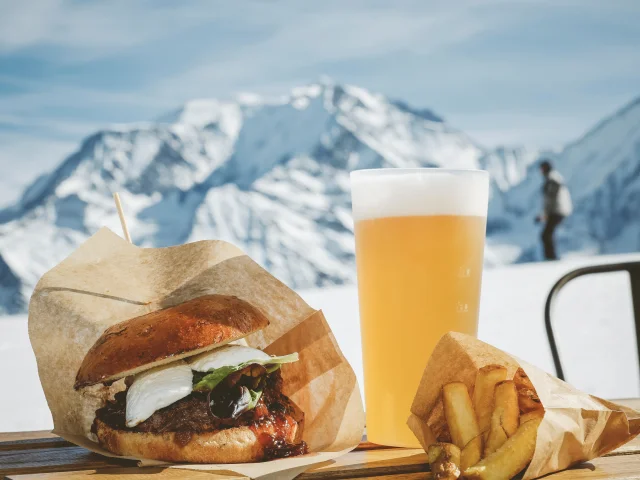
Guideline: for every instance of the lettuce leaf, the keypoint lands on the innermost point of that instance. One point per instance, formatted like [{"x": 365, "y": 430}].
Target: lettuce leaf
[
  {"x": 255, "y": 397},
  {"x": 213, "y": 377},
  {"x": 211, "y": 380},
  {"x": 292, "y": 357}
]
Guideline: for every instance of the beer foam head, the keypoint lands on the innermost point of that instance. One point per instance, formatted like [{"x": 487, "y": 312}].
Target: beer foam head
[{"x": 399, "y": 192}]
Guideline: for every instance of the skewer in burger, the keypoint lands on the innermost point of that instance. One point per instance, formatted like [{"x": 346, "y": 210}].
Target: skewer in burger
[{"x": 193, "y": 393}]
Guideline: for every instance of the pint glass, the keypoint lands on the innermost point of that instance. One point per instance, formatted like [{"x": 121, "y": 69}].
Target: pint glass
[{"x": 419, "y": 253}]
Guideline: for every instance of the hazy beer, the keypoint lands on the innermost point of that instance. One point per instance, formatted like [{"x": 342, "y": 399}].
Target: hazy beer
[{"x": 419, "y": 253}]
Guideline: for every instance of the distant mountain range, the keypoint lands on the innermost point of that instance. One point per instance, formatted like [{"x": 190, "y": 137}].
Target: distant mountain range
[{"x": 272, "y": 176}]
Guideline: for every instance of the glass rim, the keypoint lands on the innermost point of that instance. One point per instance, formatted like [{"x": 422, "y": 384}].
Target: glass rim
[{"x": 374, "y": 172}]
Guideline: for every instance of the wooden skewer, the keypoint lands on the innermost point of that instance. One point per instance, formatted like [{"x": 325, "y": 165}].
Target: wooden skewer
[{"x": 123, "y": 222}]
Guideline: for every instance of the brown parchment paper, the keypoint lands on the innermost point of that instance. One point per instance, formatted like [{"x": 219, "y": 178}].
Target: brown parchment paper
[
  {"x": 576, "y": 426},
  {"x": 108, "y": 280}
]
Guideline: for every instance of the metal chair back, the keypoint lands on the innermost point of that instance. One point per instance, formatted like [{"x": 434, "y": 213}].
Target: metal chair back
[{"x": 633, "y": 268}]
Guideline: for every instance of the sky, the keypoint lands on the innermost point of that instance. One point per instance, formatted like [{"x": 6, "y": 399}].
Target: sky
[{"x": 516, "y": 72}]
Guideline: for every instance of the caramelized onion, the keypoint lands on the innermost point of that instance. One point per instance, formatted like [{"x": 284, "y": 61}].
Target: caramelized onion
[{"x": 228, "y": 405}]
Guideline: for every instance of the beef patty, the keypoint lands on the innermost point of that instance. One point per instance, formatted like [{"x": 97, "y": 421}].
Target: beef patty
[{"x": 270, "y": 420}]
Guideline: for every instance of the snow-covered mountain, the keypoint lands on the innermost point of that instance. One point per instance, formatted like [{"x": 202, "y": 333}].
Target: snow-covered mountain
[
  {"x": 272, "y": 176},
  {"x": 508, "y": 166}
]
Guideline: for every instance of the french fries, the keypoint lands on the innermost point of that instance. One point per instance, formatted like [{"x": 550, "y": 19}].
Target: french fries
[
  {"x": 459, "y": 413},
  {"x": 463, "y": 425},
  {"x": 444, "y": 459},
  {"x": 486, "y": 380},
  {"x": 497, "y": 436},
  {"x": 493, "y": 436},
  {"x": 533, "y": 414},
  {"x": 510, "y": 458},
  {"x": 506, "y": 404},
  {"x": 505, "y": 416},
  {"x": 471, "y": 453}
]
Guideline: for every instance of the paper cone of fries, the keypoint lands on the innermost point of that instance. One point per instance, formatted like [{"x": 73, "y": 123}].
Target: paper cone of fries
[
  {"x": 482, "y": 411},
  {"x": 107, "y": 281}
]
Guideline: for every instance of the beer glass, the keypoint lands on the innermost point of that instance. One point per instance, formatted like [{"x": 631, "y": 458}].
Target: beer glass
[{"x": 419, "y": 253}]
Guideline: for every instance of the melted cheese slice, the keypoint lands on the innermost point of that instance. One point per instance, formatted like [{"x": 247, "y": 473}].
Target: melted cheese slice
[
  {"x": 227, "y": 356},
  {"x": 157, "y": 388}
]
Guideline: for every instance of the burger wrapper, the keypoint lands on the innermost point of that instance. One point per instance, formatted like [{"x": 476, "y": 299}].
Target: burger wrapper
[
  {"x": 108, "y": 280},
  {"x": 576, "y": 426}
]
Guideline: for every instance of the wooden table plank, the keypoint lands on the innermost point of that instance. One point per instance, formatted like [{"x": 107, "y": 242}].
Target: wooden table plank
[
  {"x": 608, "y": 468},
  {"x": 37, "y": 434},
  {"x": 36, "y": 456},
  {"x": 388, "y": 464},
  {"x": 375, "y": 460},
  {"x": 55, "y": 460},
  {"x": 368, "y": 462},
  {"x": 131, "y": 474},
  {"x": 371, "y": 463},
  {"x": 622, "y": 467},
  {"x": 402, "y": 476},
  {"x": 52, "y": 442},
  {"x": 612, "y": 467}
]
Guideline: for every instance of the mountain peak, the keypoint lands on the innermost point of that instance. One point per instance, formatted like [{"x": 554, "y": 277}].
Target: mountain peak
[
  {"x": 425, "y": 113},
  {"x": 201, "y": 112}
]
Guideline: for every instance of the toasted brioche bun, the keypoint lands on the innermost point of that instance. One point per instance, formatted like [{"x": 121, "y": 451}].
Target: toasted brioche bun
[
  {"x": 164, "y": 336},
  {"x": 234, "y": 445}
]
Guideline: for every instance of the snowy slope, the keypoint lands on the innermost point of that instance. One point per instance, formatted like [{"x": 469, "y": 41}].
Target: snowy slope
[{"x": 270, "y": 175}]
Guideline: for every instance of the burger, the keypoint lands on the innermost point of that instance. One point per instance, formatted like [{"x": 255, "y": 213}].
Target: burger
[{"x": 193, "y": 392}]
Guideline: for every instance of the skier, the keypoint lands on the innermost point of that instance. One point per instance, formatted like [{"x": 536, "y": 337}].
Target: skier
[{"x": 556, "y": 201}]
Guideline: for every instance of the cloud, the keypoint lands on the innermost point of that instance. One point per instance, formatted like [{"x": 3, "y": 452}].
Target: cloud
[
  {"x": 329, "y": 36},
  {"x": 45, "y": 96},
  {"x": 532, "y": 129},
  {"x": 282, "y": 38},
  {"x": 325, "y": 34},
  {"x": 25, "y": 23},
  {"x": 52, "y": 127},
  {"x": 95, "y": 28}
]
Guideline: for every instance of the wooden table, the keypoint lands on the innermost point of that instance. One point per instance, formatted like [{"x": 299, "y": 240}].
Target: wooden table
[{"x": 43, "y": 456}]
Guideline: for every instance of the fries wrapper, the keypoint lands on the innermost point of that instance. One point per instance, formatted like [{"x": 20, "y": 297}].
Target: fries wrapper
[
  {"x": 107, "y": 280},
  {"x": 576, "y": 426}
]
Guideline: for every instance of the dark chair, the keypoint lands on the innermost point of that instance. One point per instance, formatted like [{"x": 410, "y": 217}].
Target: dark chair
[{"x": 633, "y": 268}]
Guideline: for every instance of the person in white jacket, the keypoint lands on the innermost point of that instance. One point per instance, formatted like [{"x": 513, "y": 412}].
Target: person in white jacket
[{"x": 556, "y": 206}]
